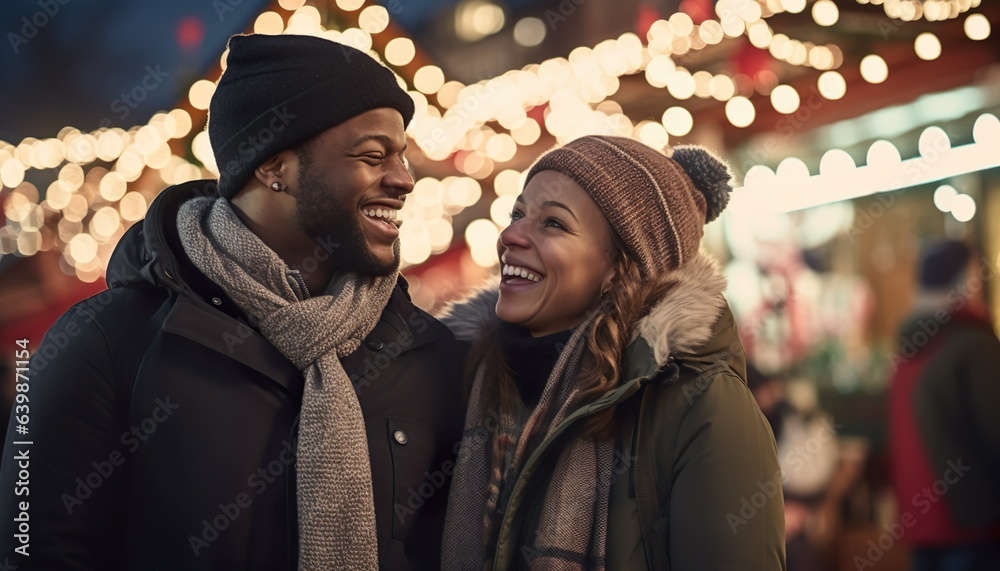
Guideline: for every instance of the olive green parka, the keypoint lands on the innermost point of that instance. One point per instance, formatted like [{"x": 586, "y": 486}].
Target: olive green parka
[{"x": 696, "y": 483}]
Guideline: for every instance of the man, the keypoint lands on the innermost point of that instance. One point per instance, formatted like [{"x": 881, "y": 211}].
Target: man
[
  {"x": 255, "y": 390},
  {"x": 943, "y": 423}
]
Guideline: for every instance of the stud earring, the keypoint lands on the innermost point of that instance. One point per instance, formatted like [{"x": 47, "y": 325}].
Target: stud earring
[{"x": 276, "y": 186}]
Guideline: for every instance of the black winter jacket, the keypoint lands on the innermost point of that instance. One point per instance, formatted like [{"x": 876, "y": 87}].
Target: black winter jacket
[{"x": 163, "y": 426}]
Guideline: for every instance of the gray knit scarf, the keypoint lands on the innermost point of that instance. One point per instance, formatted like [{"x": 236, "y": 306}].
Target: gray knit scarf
[
  {"x": 572, "y": 528},
  {"x": 334, "y": 483}
]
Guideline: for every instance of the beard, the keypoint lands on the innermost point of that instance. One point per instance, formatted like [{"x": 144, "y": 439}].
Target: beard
[{"x": 324, "y": 215}]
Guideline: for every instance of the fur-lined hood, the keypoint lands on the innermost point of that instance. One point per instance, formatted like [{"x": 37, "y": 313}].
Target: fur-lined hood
[{"x": 683, "y": 322}]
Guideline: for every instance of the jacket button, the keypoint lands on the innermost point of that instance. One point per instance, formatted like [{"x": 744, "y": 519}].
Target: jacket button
[
  {"x": 400, "y": 437},
  {"x": 374, "y": 344},
  {"x": 216, "y": 301}
]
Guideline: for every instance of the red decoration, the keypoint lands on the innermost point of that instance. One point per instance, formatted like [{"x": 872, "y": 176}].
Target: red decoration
[
  {"x": 190, "y": 32},
  {"x": 750, "y": 60},
  {"x": 699, "y": 10},
  {"x": 645, "y": 16}
]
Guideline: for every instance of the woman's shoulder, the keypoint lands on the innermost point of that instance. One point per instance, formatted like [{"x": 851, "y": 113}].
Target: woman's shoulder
[
  {"x": 469, "y": 317},
  {"x": 710, "y": 394},
  {"x": 715, "y": 382}
]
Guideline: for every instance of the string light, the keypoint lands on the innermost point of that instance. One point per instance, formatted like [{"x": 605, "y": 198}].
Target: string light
[
  {"x": 785, "y": 99},
  {"x": 831, "y": 85},
  {"x": 792, "y": 188},
  {"x": 529, "y": 32},
  {"x": 269, "y": 23},
  {"x": 977, "y": 27},
  {"x": 740, "y": 111},
  {"x": 200, "y": 94},
  {"x": 374, "y": 19},
  {"x": 825, "y": 13},
  {"x": 927, "y": 46},
  {"x": 574, "y": 91},
  {"x": 350, "y": 5},
  {"x": 931, "y": 10},
  {"x": 400, "y": 51},
  {"x": 874, "y": 69},
  {"x": 678, "y": 121}
]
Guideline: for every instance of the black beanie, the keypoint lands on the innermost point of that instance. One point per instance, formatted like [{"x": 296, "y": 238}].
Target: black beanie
[
  {"x": 942, "y": 264},
  {"x": 280, "y": 91}
]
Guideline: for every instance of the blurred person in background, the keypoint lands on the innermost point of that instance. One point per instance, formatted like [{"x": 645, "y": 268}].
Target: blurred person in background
[
  {"x": 256, "y": 390},
  {"x": 944, "y": 424},
  {"x": 808, "y": 455},
  {"x": 609, "y": 425}
]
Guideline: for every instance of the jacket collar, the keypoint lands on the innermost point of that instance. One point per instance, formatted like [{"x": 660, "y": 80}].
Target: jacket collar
[
  {"x": 150, "y": 254},
  {"x": 192, "y": 318},
  {"x": 151, "y": 251},
  {"x": 683, "y": 323}
]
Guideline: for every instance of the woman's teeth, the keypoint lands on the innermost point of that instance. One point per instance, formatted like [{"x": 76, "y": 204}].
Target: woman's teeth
[{"x": 520, "y": 272}]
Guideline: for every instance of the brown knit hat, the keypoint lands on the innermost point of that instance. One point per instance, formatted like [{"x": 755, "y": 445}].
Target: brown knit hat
[{"x": 658, "y": 205}]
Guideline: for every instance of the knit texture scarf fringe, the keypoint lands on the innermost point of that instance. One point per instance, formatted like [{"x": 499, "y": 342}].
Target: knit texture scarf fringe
[
  {"x": 572, "y": 528},
  {"x": 336, "y": 509}
]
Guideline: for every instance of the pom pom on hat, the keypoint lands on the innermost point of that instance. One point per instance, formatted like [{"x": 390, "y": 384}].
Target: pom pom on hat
[{"x": 709, "y": 174}]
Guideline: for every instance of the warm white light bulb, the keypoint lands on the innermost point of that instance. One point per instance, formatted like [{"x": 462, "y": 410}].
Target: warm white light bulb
[
  {"x": 927, "y": 46},
  {"x": 874, "y": 69},
  {"x": 977, "y": 27},
  {"x": 825, "y": 13}
]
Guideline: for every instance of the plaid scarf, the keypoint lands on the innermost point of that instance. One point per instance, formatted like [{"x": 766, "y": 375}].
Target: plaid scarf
[{"x": 572, "y": 528}]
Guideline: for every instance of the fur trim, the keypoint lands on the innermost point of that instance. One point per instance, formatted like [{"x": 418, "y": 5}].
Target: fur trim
[
  {"x": 468, "y": 318},
  {"x": 682, "y": 321}
]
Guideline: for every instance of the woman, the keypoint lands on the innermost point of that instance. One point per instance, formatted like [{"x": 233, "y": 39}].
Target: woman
[{"x": 609, "y": 424}]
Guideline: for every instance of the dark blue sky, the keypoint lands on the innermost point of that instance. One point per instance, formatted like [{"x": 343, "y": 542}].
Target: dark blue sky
[
  {"x": 69, "y": 62},
  {"x": 80, "y": 62}
]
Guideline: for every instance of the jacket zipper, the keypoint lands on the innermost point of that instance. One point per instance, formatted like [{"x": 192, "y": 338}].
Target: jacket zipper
[{"x": 297, "y": 276}]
